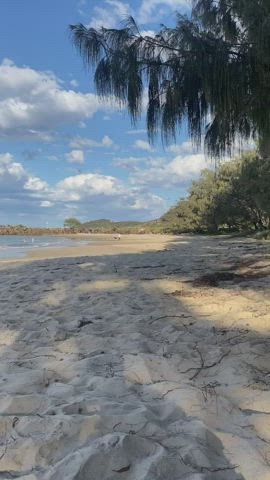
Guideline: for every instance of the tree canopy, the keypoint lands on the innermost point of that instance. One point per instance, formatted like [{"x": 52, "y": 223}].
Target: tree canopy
[
  {"x": 211, "y": 70},
  {"x": 72, "y": 223},
  {"x": 234, "y": 198}
]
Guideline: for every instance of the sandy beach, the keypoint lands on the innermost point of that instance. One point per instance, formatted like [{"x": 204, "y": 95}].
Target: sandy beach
[{"x": 141, "y": 359}]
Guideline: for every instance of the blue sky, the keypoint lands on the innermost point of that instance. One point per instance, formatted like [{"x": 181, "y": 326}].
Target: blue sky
[{"x": 62, "y": 152}]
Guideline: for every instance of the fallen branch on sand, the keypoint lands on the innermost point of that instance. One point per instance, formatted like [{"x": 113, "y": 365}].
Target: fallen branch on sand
[
  {"x": 208, "y": 469},
  {"x": 203, "y": 366},
  {"x": 148, "y": 266},
  {"x": 219, "y": 469},
  {"x": 5, "y": 451}
]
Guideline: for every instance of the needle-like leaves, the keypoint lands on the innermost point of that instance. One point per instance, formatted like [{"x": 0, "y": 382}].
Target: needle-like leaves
[{"x": 211, "y": 70}]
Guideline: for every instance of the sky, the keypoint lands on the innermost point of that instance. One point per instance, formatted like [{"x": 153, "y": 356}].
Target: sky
[{"x": 63, "y": 152}]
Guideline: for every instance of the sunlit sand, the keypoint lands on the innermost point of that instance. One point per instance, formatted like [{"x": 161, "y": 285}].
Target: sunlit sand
[{"x": 132, "y": 364}]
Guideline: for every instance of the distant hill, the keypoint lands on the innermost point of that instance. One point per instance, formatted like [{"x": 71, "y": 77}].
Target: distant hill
[{"x": 109, "y": 226}]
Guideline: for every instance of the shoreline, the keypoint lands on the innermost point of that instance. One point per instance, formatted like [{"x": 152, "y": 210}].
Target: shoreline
[{"x": 102, "y": 244}]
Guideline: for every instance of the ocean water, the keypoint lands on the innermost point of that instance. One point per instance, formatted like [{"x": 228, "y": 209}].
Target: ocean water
[{"x": 16, "y": 246}]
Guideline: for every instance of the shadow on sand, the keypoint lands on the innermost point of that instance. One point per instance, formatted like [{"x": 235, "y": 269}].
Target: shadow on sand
[{"x": 112, "y": 369}]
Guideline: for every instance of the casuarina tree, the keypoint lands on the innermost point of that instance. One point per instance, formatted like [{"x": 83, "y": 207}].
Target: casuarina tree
[{"x": 210, "y": 71}]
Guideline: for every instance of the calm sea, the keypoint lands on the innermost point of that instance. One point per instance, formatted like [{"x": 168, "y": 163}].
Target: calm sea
[{"x": 15, "y": 246}]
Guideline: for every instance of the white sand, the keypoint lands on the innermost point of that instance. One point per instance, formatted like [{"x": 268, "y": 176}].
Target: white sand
[{"x": 117, "y": 367}]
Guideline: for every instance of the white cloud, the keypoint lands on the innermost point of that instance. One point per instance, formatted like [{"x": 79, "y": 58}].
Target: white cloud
[
  {"x": 9, "y": 168},
  {"x": 74, "y": 83},
  {"x": 110, "y": 15},
  {"x": 16, "y": 181},
  {"x": 88, "y": 195},
  {"x": 143, "y": 145},
  {"x": 151, "y": 10},
  {"x": 107, "y": 141},
  {"x": 129, "y": 163},
  {"x": 84, "y": 142},
  {"x": 188, "y": 167},
  {"x": 46, "y": 204},
  {"x": 148, "y": 33},
  {"x": 179, "y": 171},
  {"x": 81, "y": 3},
  {"x": 75, "y": 156},
  {"x": 111, "y": 12},
  {"x": 108, "y": 194},
  {"x": 77, "y": 187},
  {"x": 149, "y": 201},
  {"x": 35, "y": 184},
  {"x": 182, "y": 148},
  {"x": 137, "y": 132},
  {"x": 30, "y": 101}
]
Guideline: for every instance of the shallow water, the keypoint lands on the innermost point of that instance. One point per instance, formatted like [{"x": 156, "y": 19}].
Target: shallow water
[{"x": 17, "y": 246}]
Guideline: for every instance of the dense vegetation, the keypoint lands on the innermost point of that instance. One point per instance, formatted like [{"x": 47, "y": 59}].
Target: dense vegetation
[
  {"x": 32, "y": 231},
  {"x": 104, "y": 226},
  {"x": 213, "y": 64},
  {"x": 236, "y": 197}
]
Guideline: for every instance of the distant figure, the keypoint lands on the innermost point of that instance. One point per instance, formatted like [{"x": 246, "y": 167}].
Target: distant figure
[{"x": 117, "y": 237}]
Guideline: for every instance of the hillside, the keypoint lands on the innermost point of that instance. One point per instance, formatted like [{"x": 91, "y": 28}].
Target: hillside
[{"x": 108, "y": 226}]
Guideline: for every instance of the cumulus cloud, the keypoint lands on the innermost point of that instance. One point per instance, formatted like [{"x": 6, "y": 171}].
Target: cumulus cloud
[
  {"x": 30, "y": 101},
  {"x": 74, "y": 83},
  {"x": 129, "y": 163},
  {"x": 149, "y": 200},
  {"x": 137, "y": 131},
  {"x": 148, "y": 33},
  {"x": 9, "y": 169},
  {"x": 84, "y": 142},
  {"x": 87, "y": 195},
  {"x": 143, "y": 145},
  {"x": 151, "y": 10},
  {"x": 35, "y": 184},
  {"x": 104, "y": 195},
  {"x": 108, "y": 194},
  {"x": 13, "y": 176},
  {"x": 75, "y": 156},
  {"x": 179, "y": 171},
  {"x": 77, "y": 187},
  {"x": 108, "y": 15},
  {"x": 46, "y": 204},
  {"x": 182, "y": 148}
]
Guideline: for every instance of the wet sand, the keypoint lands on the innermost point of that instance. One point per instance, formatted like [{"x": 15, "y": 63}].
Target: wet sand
[{"x": 96, "y": 245}]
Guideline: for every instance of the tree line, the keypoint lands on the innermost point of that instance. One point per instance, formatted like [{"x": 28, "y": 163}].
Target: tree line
[{"x": 234, "y": 197}]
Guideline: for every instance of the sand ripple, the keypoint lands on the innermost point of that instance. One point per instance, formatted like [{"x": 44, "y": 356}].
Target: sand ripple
[{"x": 107, "y": 373}]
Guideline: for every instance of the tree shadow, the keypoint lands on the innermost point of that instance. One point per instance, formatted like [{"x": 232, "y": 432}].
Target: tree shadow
[{"x": 106, "y": 374}]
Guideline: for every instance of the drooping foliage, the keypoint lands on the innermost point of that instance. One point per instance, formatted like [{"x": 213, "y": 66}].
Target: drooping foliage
[
  {"x": 234, "y": 198},
  {"x": 212, "y": 69}
]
